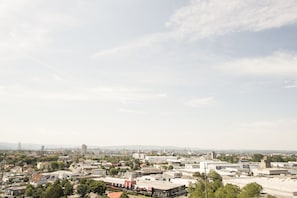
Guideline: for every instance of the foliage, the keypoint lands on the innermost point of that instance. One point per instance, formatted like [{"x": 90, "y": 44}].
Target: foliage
[
  {"x": 216, "y": 179},
  {"x": 270, "y": 196},
  {"x": 215, "y": 188},
  {"x": 279, "y": 158},
  {"x": 229, "y": 158},
  {"x": 67, "y": 187},
  {"x": 257, "y": 157},
  {"x": 58, "y": 189},
  {"x": 29, "y": 191},
  {"x": 87, "y": 186},
  {"x": 227, "y": 191},
  {"x": 82, "y": 190},
  {"x": 196, "y": 174},
  {"x": 197, "y": 190},
  {"x": 54, "y": 191},
  {"x": 251, "y": 190},
  {"x": 34, "y": 192},
  {"x": 57, "y": 165},
  {"x": 113, "y": 171},
  {"x": 98, "y": 187}
]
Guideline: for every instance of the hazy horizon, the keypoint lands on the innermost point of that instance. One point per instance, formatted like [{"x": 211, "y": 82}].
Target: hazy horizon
[
  {"x": 142, "y": 148},
  {"x": 193, "y": 73}
]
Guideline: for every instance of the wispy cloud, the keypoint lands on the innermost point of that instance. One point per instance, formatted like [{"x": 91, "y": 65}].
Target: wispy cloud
[
  {"x": 23, "y": 32},
  {"x": 133, "y": 111},
  {"x": 279, "y": 123},
  {"x": 205, "y": 18},
  {"x": 208, "y": 18},
  {"x": 280, "y": 63},
  {"x": 201, "y": 102},
  {"x": 290, "y": 84},
  {"x": 122, "y": 95},
  {"x": 132, "y": 46}
]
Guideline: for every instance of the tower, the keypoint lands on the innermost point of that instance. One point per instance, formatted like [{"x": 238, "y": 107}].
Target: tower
[
  {"x": 83, "y": 149},
  {"x": 19, "y": 146}
]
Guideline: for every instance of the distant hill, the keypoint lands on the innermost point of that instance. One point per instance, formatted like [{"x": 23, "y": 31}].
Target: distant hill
[{"x": 28, "y": 146}]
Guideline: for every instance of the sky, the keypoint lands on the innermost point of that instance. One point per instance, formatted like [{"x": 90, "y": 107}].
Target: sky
[{"x": 208, "y": 74}]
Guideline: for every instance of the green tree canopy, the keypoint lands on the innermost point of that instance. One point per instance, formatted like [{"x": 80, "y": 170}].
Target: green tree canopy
[
  {"x": 82, "y": 190},
  {"x": 54, "y": 191},
  {"x": 227, "y": 191},
  {"x": 67, "y": 188},
  {"x": 113, "y": 171},
  {"x": 197, "y": 190},
  {"x": 257, "y": 157},
  {"x": 251, "y": 190},
  {"x": 29, "y": 191},
  {"x": 98, "y": 187}
]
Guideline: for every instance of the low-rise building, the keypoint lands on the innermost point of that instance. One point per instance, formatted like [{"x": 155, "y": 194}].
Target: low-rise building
[
  {"x": 161, "y": 188},
  {"x": 279, "y": 187}
]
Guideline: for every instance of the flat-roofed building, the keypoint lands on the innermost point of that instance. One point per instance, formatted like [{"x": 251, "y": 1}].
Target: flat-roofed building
[
  {"x": 279, "y": 187},
  {"x": 270, "y": 171},
  {"x": 161, "y": 188}
]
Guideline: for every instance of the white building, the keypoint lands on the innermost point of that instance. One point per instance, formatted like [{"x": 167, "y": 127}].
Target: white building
[
  {"x": 159, "y": 159},
  {"x": 279, "y": 187}
]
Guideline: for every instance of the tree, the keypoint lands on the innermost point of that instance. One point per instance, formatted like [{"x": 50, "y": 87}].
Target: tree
[
  {"x": 26, "y": 179},
  {"x": 38, "y": 192},
  {"x": 29, "y": 191},
  {"x": 270, "y": 196},
  {"x": 82, "y": 190},
  {"x": 216, "y": 179},
  {"x": 214, "y": 176},
  {"x": 251, "y": 190},
  {"x": 98, "y": 187},
  {"x": 54, "y": 191},
  {"x": 68, "y": 188},
  {"x": 197, "y": 190},
  {"x": 113, "y": 171},
  {"x": 196, "y": 174},
  {"x": 257, "y": 157},
  {"x": 54, "y": 165},
  {"x": 227, "y": 191}
]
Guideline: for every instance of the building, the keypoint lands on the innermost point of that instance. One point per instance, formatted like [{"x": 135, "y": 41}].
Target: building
[
  {"x": 43, "y": 165},
  {"x": 270, "y": 171},
  {"x": 279, "y": 187},
  {"x": 150, "y": 171},
  {"x": 161, "y": 189},
  {"x": 83, "y": 149},
  {"x": 160, "y": 158},
  {"x": 15, "y": 191}
]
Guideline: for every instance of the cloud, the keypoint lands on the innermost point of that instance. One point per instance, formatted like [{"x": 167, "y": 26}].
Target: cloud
[
  {"x": 211, "y": 18},
  {"x": 124, "y": 110},
  {"x": 278, "y": 124},
  {"x": 201, "y": 102},
  {"x": 205, "y": 18},
  {"x": 122, "y": 95},
  {"x": 279, "y": 63},
  {"x": 30, "y": 26},
  {"x": 135, "y": 45},
  {"x": 290, "y": 84}
]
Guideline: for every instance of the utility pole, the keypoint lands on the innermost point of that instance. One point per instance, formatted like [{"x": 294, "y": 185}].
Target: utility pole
[{"x": 206, "y": 193}]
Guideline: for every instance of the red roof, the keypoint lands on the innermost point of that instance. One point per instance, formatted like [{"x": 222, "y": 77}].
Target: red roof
[
  {"x": 115, "y": 194},
  {"x": 36, "y": 178}
]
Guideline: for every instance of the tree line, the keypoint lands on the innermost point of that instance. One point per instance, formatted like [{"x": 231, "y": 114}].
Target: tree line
[{"x": 212, "y": 187}]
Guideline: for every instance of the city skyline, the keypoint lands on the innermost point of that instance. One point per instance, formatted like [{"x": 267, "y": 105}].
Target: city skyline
[{"x": 196, "y": 73}]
